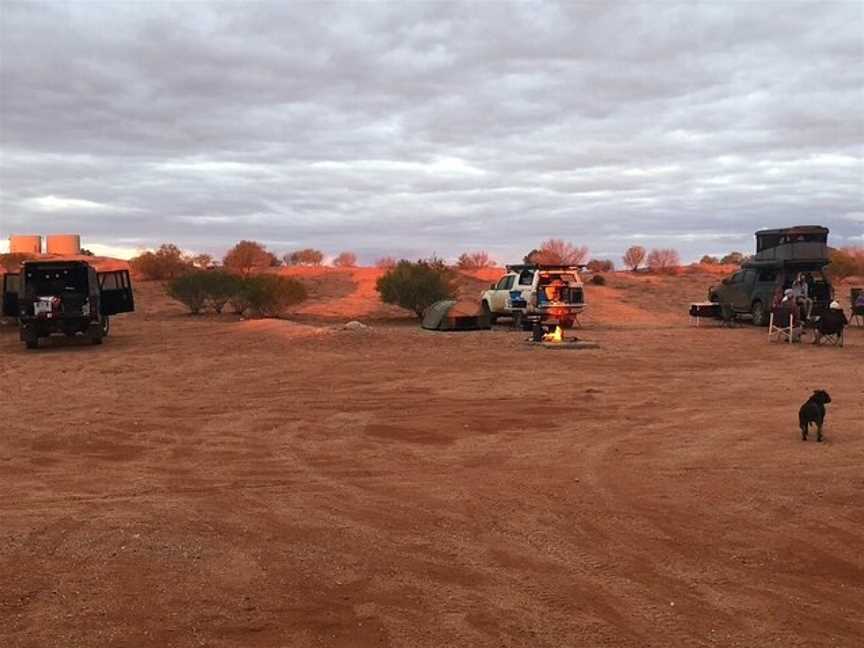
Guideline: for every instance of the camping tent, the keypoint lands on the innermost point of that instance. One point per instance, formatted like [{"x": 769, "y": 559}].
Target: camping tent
[{"x": 452, "y": 315}]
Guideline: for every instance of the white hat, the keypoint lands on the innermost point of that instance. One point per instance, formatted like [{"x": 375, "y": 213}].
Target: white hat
[
  {"x": 835, "y": 305},
  {"x": 789, "y": 292}
]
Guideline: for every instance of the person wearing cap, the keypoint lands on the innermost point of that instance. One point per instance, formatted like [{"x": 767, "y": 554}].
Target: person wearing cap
[{"x": 832, "y": 322}]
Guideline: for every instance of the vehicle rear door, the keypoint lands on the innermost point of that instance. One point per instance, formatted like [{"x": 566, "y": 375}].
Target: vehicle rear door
[
  {"x": 115, "y": 292},
  {"x": 11, "y": 288}
]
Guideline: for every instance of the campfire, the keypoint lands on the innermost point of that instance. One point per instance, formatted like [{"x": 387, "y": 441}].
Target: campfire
[
  {"x": 555, "y": 336},
  {"x": 555, "y": 339}
]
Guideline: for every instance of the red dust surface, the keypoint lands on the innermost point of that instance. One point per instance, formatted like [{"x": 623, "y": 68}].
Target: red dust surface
[{"x": 211, "y": 481}]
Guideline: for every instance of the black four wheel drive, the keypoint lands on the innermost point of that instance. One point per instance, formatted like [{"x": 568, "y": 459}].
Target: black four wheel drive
[{"x": 65, "y": 297}]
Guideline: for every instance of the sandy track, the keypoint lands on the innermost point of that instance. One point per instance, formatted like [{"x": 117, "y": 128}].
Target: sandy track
[{"x": 220, "y": 483}]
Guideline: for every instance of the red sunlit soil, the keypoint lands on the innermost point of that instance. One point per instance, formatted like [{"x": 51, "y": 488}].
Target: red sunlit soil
[{"x": 216, "y": 482}]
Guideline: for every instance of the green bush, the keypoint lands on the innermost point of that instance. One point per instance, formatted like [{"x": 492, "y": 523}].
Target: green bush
[
  {"x": 598, "y": 280},
  {"x": 269, "y": 295},
  {"x": 416, "y": 286},
  {"x": 219, "y": 287},
  {"x": 239, "y": 301},
  {"x": 190, "y": 290}
]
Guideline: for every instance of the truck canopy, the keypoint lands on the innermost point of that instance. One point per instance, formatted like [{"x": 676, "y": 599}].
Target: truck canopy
[{"x": 802, "y": 244}]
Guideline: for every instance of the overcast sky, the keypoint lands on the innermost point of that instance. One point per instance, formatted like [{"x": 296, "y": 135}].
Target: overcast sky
[{"x": 410, "y": 128}]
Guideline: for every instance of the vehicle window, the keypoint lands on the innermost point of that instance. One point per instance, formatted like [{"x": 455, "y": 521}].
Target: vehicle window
[
  {"x": 526, "y": 278},
  {"x": 109, "y": 282},
  {"x": 767, "y": 241},
  {"x": 749, "y": 275},
  {"x": 768, "y": 275},
  {"x": 508, "y": 284},
  {"x": 502, "y": 283},
  {"x": 13, "y": 283},
  {"x": 56, "y": 282},
  {"x": 737, "y": 277}
]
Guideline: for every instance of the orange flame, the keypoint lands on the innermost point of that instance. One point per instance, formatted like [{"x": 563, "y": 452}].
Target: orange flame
[{"x": 556, "y": 336}]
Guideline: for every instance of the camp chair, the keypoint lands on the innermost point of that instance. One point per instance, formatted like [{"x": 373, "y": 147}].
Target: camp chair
[
  {"x": 728, "y": 316},
  {"x": 781, "y": 325},
  {"x": 830, "y": 329},
  {"x": 857, "y": 311}
]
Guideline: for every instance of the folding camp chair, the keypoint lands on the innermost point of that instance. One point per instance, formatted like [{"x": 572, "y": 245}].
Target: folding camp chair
[
  {"x": 857, "y": 311},
  {"x": 781, "y": 325},
  {"x": 830, "y": 329}
]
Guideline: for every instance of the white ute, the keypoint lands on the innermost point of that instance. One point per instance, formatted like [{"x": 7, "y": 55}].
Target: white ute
[{"x": 549, "y": 294}]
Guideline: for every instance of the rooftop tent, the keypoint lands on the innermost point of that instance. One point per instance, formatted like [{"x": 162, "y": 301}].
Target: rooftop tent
[{"x": 452, "y": 315}]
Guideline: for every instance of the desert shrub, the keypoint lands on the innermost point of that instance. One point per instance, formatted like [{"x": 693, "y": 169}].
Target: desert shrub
[
  {"x": 307, "y": 256},
  {"x": 709, "y": 260},
  {"x": 220, "y": 287},
  {"x": 416, "y": 286},
  {"x": 846, "y": 262},
  {"x": 557, "y": 251},
  {"x": 86, "y": 252},
  {"x": 167, "y": 262},
  {"x": 598, "y": 280},
  {"x": 386, "y": 263},
  {"x": 474, "y": 261},
  {"x": 345, "y": 260},
  {"x": 733, "y": 258},
  {"x": 203, "y": 261},
  {"x": 601, "y": 265},
  {"x": 246, "y": 257},
  {"x": 269, "y": 295},
  {"x": 633, "y": 257},
  {"x": 663, "y": 260},
  {"x": 239, "y": 301},
  {"x": 190, "y": 290}
]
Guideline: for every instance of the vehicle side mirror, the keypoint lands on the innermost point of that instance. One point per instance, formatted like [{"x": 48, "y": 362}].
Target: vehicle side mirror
[
  {"x": 725, "y": 281},
  {"x": 492, "y": 286}
]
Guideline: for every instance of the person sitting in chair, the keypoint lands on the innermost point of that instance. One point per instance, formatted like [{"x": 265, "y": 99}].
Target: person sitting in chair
[
  {"x": 801, "y": 289},
  {"x": 832, "y": 322},
  {"x": 790, "y": 306}
]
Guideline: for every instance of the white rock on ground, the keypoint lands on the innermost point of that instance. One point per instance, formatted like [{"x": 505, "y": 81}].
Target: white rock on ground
[{"x": 354, "y": 325}]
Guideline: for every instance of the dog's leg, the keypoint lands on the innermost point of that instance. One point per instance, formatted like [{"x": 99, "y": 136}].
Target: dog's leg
[
  {"x": 819, "y": 432},
  {"x": 804, "y": 428}
]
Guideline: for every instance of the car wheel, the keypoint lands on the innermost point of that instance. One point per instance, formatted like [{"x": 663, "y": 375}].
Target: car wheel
[
  {"x": 760, "y": 317},
  {"x": 487, "y": 312},
  {"x": 32, "y": 342}
]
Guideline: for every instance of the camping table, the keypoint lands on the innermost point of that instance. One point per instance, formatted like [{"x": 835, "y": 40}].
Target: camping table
[{"x": 703, "y": 310}]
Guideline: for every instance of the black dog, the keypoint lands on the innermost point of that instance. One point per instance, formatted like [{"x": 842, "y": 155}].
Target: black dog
[{"x": 813, "y": 411}]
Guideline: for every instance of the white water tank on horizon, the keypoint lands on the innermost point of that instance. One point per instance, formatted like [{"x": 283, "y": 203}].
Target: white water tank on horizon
[
  {"x": 25, "y": 244},
  {"x": 64, "y": 244}
]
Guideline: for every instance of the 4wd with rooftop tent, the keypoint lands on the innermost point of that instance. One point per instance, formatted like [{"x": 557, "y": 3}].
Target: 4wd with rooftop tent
[
  {"x": 548, "y": 294},
  {"x": 65, "y": 297},
  {"x": 781, "y": 256}
]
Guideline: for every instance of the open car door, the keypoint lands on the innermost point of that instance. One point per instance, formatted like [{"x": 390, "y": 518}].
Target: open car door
[
  {"x": 11, "y": 287},
  {"x": 115, "y": 289}
]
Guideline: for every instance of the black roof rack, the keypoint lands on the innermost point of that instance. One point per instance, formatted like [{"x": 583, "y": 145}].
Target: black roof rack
[{"x": 544, "y": 266}]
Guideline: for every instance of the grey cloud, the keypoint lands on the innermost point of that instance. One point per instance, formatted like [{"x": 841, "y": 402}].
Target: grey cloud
[{"x": 431, "y": 126}]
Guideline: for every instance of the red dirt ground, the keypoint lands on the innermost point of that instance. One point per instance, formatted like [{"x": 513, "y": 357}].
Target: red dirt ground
[{"x": 216, "y": 482}]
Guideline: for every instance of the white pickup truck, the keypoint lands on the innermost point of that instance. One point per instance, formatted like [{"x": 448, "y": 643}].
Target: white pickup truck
[{"x": 549, "y": 294}]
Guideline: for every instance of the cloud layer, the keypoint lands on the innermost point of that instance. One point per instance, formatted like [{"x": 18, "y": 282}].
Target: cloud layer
[{"x": 431, "y": 127}]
